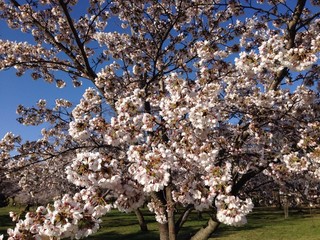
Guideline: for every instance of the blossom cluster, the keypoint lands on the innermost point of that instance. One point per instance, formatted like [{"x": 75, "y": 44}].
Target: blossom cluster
[
  {"x": 150, "y": 169},
  {"x": 188, "y": 126},
  {"x": 76, "y": 216},
  {"x": 92, "y": 169},
  {"x": 232, "y": 211}
]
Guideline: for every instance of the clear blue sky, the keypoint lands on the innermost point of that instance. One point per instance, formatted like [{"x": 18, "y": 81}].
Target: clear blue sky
[{"x": 23, "y": 90}]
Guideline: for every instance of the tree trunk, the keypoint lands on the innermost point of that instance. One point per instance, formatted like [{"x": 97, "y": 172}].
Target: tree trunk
[
  {"x": 142, "y": 222},
  {"x": 205, "y": 232},
  {"x": 170, "y": 214},
  {"x": 163, "y": 231},
  {"x": 286, "y": 206},
  {"x": 183, "y": 218},
  {"x": 160, "y": 198}
]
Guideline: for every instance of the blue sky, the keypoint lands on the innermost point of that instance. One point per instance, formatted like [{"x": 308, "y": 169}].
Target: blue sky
[{"x": 23, "y": 90}]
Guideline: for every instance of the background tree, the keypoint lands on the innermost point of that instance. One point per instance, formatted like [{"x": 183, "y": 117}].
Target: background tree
[{"x": 206, "y": 97}]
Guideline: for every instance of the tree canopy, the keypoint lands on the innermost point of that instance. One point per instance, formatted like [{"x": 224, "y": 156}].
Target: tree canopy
[{"x": 196, "y": 104}]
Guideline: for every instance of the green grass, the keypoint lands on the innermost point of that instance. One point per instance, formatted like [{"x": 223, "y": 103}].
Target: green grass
[
  {"x": 263, "y": 224},
  {"x": 270, "y": 224},
  {"x": 5, "y": 220},
  {"x": 121, "y": 226}
]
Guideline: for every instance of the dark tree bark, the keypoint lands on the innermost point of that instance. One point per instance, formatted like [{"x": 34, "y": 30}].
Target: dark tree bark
[
  {"x": 205, "y": 232},
  {"x": 170, "y": 211},
  {"x": 142, "y": 223},
  {"x": 163, "y": 231},
  {"x": 183, "y": 218}
]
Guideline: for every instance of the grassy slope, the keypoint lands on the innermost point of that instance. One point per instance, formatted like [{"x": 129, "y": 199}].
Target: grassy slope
[{"x": 262, "y": 225}]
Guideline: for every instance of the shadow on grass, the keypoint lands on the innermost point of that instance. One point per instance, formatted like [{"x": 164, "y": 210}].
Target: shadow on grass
[
  {"x": 267, "y": 221},
  {"x": 116, "y": 222},
  {"x": 115, "y": 235},
  {"x": 5, "y": 223}
]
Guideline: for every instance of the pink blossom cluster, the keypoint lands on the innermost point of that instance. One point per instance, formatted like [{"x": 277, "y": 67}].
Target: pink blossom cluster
[
  {"x": 76, "y": 217},
  {"x": 203, "y": 104},
  {"x": 232, "y": 211}
]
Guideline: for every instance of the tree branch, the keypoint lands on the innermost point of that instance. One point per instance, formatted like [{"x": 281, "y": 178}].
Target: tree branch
[
  {"x": 292, "y": 30},
  {"x": 88, "y": 70}
]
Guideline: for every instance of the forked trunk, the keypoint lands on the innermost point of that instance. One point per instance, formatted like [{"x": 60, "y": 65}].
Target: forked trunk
[{"x": 205, "y": 232}]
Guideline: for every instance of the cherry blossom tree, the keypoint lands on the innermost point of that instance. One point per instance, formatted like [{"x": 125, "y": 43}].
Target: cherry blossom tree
[{"x": 206, "y": 98}]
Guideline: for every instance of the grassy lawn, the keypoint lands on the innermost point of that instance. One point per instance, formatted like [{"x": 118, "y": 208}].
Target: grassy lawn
[
  {"x": 5, "y": 220},
  {"x": 270, "y": 224},
  {"x": 263, "y": 224}
]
